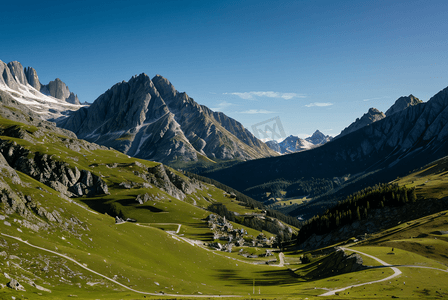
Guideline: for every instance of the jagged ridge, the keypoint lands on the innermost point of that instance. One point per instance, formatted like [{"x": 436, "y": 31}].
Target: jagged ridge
[{"x": 149, "y": 119}]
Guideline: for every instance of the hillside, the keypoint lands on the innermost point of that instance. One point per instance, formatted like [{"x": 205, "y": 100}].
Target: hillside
[{"x": 64, "y": 195}]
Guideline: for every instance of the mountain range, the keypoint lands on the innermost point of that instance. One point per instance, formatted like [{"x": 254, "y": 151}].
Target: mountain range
[
  {"x": 378, "y": 152},
  {"x": 51, "y": 101},
  {"x": 374, "y": 115},
  {"x": 295, "y": 144},
  {"x": 145, "y": 118}
]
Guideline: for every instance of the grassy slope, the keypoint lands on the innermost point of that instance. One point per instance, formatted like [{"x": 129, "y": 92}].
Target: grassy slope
[
  {"x": 149, "y": 259},
  {"x": 137, "y": 256}
]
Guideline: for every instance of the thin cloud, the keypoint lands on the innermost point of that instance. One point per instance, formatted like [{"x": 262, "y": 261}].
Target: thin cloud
[
  {"x": 221, "y": 106},
  {"x": 377, "y": 98},
  {"x": 269, "y": 94},
  {"x": 257, "y": 111},
  {"x": 319, "y": 104}
]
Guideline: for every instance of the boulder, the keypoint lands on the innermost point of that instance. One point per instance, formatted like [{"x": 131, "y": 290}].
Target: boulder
[{"x": 14, "y": 284}]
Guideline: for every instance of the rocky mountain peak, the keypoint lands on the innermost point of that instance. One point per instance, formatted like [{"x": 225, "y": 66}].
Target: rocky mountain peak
[
  {"x": 368, "y": 118},
  {"x": 32, "y": 78},
  {"x": 402, "y": 103},
  {"x": 17, "y": 78},
  {"x": 17, "y": 71},
  {"x": 59, "y": 90},
  {"x": 318, "y": 138},
  {"x": 164, "y": 86},
  {"x": 149, "y": 119}
]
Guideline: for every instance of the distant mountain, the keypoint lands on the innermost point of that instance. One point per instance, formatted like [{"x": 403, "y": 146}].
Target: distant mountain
[
  {"x": 294, "y": 144},
  {"x": 274, "y": 145},
  {"x": 380, "y": 152},
  {"x": 50, "y": 101},
  {"x": 318, "y": 138},
  {"x": 374, "y": 115},
  {"x": 150, "y": 119}
]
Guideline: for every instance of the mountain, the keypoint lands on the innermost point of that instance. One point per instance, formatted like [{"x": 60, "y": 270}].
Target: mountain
[
  {"x": 376, "y": 153},
  {"x": 368, "y": 118},
  {"x": 374, "y": 115},
  {"x": 148, "y": 118},
  {"x": 295, "y": 144},
  {"x": 59, "y": 90},
  {"x": 403, "y": 103},
  {"x": 318, "y": 138},
  {"x": 50, "y": 101}
]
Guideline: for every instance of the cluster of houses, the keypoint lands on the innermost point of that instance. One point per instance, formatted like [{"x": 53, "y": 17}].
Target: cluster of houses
[{"x": 230, "y": 237}]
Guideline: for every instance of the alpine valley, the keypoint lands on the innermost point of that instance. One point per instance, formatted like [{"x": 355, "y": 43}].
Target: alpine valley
[{"x": 147, "y": 194}]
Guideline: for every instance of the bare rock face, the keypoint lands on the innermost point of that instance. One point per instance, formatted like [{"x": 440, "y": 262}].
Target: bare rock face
[
  {"x": 56, "y": 174},
  {"x": 17, "y": 78},
  {"x": 373, "y": 115},
  {"x": 59, "y": 90},
  {"x": 32, "y": 78},
  {"x": 7, "y": 78},
  {"x": 402, "y": 103},
  {"x": 150, "y": 119},
  {"x": 17, "y": 72},
  {"x": 7, "y": 171}
]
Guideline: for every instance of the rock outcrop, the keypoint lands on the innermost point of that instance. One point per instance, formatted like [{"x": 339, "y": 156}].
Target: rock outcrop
[
  {"x": 337, "y": 263},
  {"x": 44, "y": 168},
  {"x": 15, "y": 285}
]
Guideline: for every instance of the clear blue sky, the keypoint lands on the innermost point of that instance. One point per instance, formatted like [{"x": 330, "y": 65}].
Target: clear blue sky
[{"x": 315, "y": 64}]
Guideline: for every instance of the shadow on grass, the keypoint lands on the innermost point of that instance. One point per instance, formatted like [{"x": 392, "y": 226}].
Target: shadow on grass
[
  {"x": 122, "y": 207},
  {"x": 205, "y": 237},
  {"x": 263, "y": 278},
  {"x": 197, "y": 225}
]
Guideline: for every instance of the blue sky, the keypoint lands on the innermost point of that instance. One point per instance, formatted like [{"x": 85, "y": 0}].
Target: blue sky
[{"x": 315, "y": 64}]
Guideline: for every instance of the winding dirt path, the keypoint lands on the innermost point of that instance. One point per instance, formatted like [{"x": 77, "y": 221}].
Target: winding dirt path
[
  {"x": 397, "y": 272},
  {"x": 110, "y": 279}
]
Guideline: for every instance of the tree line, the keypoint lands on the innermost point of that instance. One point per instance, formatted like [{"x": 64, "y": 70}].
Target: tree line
[
  {"x": 357, "y": 207},
  {"x": 303, "y": 187}
]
